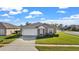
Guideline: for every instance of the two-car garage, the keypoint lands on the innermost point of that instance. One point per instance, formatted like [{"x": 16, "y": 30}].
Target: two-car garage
[{"x": 29, "y": 34}]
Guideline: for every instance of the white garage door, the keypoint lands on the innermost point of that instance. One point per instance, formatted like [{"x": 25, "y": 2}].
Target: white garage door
[
  {"x": 2, "y": 31},
  {"x": 29, "y": 32}
]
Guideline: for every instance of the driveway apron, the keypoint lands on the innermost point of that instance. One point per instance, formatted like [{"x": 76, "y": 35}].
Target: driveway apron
[{"x": 20, "y": 45}]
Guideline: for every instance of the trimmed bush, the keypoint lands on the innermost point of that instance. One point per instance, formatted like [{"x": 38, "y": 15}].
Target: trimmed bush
[
  {"x": 56, "y": 35},
  {"x": 48, "y": 36},
  {"x": 13, "y": 36}
]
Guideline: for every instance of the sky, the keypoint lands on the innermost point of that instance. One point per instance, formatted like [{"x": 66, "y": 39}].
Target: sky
[{"x": 21, "y": 15}]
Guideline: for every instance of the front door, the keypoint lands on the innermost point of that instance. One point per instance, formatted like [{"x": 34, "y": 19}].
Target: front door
[{"x": 41, "y": 32}]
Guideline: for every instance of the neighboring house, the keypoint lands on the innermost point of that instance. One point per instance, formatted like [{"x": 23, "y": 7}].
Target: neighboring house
[
  {"x": 74, "y": 27},
  {"x": 7, "y": 29},
  {"x": 38, "y": 29}
]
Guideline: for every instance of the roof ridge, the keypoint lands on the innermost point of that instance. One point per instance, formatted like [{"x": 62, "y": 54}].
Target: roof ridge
[
  {"x": 2, "y": 24},
  {"x": 8, "y": 25}
]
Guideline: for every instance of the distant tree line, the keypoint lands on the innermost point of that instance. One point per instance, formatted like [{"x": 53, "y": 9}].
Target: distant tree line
[{"x": 68, "y": 27}]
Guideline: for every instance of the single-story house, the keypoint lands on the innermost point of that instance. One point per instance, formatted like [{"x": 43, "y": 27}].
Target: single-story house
[
  {"x": 38, "y": 29},
  {"x": 74, "y": 27},
  {"x": 7, "y": 29}
]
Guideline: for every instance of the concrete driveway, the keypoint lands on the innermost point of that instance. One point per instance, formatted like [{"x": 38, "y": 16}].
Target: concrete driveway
[
  {"x": 20, "y": 45},
  {"x": 28, "y": 38}
]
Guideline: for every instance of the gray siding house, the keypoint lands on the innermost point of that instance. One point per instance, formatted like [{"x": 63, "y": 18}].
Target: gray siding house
[
  {"x": 7, "y": 29},
  {"x": 37, "y": 29}
]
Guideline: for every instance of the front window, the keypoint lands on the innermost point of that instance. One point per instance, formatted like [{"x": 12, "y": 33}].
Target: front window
[{"x": 50, "y": 31}]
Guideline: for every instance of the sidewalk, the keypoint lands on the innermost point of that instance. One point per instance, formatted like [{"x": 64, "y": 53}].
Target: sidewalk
[{"x": 57, "y": 45}]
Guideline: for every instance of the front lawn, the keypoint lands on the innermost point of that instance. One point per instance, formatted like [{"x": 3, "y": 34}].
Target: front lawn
[
  {"x": 7, "y": 39},
  {"x": 2, "y": 37},
  {"x": 62, "y": 39},
  {"x": 46, "y": 48}
]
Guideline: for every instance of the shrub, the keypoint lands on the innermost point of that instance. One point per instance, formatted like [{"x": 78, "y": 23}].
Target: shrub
[
  {"x": 13, "y": 36},
  {"x": 17, "y": 32},
  {"x": 56, "y": 35},
  {"x": 48, "y": 36}
]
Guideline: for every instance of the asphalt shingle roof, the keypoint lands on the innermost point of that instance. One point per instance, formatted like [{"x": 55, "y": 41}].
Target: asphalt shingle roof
[
  {"x": 35, "y": 25},
  {"x": 7, "y": 25}
]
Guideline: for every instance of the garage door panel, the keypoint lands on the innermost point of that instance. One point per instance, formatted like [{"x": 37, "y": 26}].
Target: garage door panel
[{"x": 29, "y": 32}]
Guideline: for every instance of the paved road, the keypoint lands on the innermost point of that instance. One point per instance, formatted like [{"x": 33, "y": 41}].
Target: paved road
[
  {"x": 72, "y": 32},
  {"x": 20, "y": 45}
]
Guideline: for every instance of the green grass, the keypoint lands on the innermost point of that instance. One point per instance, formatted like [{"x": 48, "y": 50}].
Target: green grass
[
  {"x": 2, "y": 37},
  {"x": 62, "y": 39},
  {"x": 46, "y": 48},
  {"x": 7, "y": 39}
]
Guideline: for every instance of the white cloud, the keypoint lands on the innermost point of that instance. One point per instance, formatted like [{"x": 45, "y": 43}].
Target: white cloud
[
  {"x": 72, "y": 17},
  {"x": 75, "y": 16},
  {"x": 36, "y": 12},
  {"x": 43, "y": 19},
  {"x": 18, "y": 11},
  {"x": 10, "y": 8},
  {"x": 61, "y": 11},
  {"x": 25, "y": 10},
  {"x": 5, "y": 15},
  {"x": 63, "y": 7},
  {"x": 30, "y": 16},
  {"x": 4, "y": 9},
  {"x": 13, "y": 12},
  {"x": 64, "y": 22},
  {"x": 17, "y": 8}
]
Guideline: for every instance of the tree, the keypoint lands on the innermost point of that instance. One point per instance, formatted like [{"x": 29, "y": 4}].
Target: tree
[
  {"x": 60, "y": 27},
  {"x": 27, "y": 23}
]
